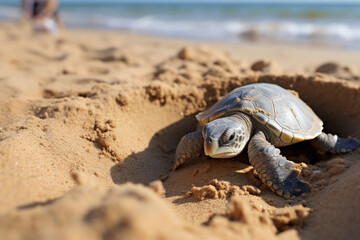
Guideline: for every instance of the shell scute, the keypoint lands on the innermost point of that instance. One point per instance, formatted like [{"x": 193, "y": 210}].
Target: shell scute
[
  {"x": 286, "y": 136},
  {"x": 261, "y": 118},
  {"x": 301, "y": 113},
  {"x": 265, "y": 105},
  {"x": 274, "y": 127},
  {"x": 270, "y": 91},
  {"x": 285, "y": 118}
]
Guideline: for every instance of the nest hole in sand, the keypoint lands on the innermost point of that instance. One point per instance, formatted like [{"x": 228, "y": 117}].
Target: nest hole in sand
[{"x": 335, "y": 102}]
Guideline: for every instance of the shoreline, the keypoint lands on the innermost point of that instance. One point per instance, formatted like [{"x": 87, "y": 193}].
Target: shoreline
[
  {"x": 284, "y": 53},
  {"x": 306, "y": 23}
]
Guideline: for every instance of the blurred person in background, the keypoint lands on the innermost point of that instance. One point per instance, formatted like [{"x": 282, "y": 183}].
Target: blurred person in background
[{"x": 43, "y": 14}]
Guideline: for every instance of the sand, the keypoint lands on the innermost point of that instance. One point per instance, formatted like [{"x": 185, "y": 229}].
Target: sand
[{"x": 90, "y": 121}]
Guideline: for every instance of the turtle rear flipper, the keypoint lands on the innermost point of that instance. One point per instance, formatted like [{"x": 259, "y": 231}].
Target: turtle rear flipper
[
  {"x": 189, "y": 147},
  {"x": 274, "y": 169},
  {"x": 334, "y": 144}
]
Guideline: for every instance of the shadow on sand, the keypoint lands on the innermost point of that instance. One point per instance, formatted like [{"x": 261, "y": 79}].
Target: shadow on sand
[{"x": 157, "y": 159}]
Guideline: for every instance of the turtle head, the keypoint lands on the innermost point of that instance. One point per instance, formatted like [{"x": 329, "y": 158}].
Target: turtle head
[{"x": 225, "y": 137}]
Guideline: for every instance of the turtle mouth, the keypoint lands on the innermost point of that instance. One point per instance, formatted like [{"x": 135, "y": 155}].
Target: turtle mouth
[
  {"x": 213, "y": 150},
  {"x": 223, "y": 155},
  {"x": 216, "y": 153}
]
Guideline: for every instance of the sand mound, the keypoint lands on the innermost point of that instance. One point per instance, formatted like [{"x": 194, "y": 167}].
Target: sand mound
[
  {"x": 125, "y": 212},
  {"x": 337, "y": 70},
  {"x": 221, "y": 189},
  {"x": 118, "y": 117},
  {"x": 265, "y": 66}
]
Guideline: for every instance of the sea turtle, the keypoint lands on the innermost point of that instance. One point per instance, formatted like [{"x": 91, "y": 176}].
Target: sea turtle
[{"x": 261, "y": 116}]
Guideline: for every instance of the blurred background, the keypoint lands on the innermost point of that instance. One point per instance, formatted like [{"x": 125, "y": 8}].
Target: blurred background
[{"x": 322, "y": 22}]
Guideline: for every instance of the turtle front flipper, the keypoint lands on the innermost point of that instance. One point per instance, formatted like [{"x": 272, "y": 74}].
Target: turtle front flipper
[
  {"x": 190, "y": 145},
  {"x": 274, "y": 169},
  {"x": 334, "y": 144}
]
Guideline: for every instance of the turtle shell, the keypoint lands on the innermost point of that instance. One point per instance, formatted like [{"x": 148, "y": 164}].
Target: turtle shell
[{"x": 281, "y": 112}]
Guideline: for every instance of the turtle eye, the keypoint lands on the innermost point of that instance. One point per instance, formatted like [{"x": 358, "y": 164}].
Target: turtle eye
[
  {"x": 232, "y": 136},
  {"x": 228, "y": 136}
]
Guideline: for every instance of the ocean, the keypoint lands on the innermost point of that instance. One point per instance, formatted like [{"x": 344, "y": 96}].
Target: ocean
[{"x": 333, "y": 24}]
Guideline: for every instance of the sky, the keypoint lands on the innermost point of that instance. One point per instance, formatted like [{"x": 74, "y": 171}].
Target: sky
[
  {"x": 200, "y": 1},
  {"x": 219, "y": 1}
]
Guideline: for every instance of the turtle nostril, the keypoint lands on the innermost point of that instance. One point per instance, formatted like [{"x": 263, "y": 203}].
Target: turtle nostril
[{"x": 209, "y": 140}]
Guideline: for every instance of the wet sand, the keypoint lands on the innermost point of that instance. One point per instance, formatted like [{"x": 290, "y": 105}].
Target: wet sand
[{"x": 90, "y": 121}]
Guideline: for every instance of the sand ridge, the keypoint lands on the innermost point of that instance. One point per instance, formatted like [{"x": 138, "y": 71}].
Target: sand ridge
[{"x": 86, "y": 113}]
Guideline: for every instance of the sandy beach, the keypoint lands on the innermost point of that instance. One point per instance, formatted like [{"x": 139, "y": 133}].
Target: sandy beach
[{"x": 90, "y": 121}]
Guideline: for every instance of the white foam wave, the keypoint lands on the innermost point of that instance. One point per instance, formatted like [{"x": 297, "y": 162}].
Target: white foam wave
[{"x": 279, "y": 30}]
